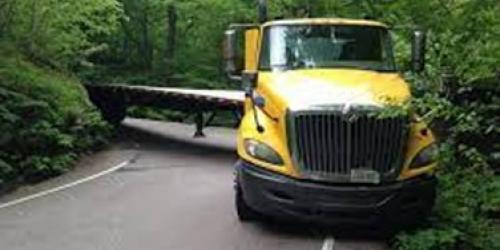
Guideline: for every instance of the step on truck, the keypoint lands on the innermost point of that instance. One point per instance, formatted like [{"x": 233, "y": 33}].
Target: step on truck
[{"x": 310, "y": 147}]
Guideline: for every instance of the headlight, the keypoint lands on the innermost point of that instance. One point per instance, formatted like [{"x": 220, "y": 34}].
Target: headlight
[
  {"x": 427, "y": 156},
  {"x": 262, "y": 152}
]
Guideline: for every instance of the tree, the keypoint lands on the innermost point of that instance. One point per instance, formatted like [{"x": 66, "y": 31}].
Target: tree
[
  {"x": 61, "y": 33},
  {"x": 5, "y": 16}
]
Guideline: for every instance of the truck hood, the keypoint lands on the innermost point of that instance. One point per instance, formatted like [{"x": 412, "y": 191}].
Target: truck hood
[{"x": 303, "y": 89}]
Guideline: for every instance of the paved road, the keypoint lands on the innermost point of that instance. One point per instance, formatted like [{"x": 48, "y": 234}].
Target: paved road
[{"x": 176, "y": 193}]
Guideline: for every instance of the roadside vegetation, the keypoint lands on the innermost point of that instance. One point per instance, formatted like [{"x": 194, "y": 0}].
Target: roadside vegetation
[
  {"x": 49, "y": 47},
  {"x": 45, "y": 119}
]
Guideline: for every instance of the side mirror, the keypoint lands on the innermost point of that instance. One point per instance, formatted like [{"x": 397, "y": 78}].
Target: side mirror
[
  {"x": 231, "y": 55},
  {"x": 419, "y": 38}
]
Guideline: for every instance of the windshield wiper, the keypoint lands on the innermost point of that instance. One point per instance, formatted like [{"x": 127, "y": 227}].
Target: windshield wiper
[{"x": 356, "y": 67}]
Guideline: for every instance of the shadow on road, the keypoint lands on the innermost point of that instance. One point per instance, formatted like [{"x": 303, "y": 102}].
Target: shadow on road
[
  {"x": 152, "y": 140},
  {"x": 348, "y": 233}
]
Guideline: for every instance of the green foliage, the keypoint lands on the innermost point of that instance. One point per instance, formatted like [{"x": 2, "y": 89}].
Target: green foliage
[
  {"x": 59, "y": 33},
  {"x": 156, "y": 114},
  {"x": 460, "y": 221},
  {"x": 438, "y": 239},
  {"x": 45, "y": 114},
  {"x": 46, "y": 121},
  {"x": 142, "y": 44}
]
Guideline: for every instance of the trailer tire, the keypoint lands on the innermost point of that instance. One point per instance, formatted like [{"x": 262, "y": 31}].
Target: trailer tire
[
  {"x": 114, "y": 113},
  {"x": 113, "y": 107},
  {"x": 111, "y": 102}
]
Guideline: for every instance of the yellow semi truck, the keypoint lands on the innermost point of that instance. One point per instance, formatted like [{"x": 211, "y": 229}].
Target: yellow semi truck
[{"x": 309, "y": 145}]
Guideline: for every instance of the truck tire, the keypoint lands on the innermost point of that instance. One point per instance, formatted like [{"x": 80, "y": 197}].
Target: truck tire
[{"x": 245, "y": 212}]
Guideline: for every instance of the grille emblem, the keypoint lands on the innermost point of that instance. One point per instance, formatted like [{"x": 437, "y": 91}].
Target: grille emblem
[{"x": 346, "y": 109}]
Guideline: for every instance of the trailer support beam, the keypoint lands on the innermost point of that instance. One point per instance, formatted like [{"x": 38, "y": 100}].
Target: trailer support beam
[{"x": 199, "y": 125}]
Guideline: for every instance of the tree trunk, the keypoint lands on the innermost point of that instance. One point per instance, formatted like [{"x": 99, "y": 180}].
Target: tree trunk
[
  {"x": 126, "y": 51},
  {"x": 309, "y": 9},
  {"x": 146, "y": 46},
  {"x": 4, "y": 9},
  {"x": 171, "y": 40},
  {"x": 33, "y": 28}
]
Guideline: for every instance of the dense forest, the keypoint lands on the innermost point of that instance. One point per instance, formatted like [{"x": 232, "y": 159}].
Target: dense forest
[{"x": 49, "y": 47}]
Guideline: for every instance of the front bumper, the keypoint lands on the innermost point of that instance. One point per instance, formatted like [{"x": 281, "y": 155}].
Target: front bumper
[{"x": 395, "y": 204}]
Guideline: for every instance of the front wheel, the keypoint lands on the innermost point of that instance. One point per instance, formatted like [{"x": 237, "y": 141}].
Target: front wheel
[{"x": 245, "y": 212}]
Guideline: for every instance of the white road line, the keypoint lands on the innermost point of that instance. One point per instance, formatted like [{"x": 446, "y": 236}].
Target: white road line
[
  {"x": 329, "y": 243},
  {"x": 63, "y": 187}
]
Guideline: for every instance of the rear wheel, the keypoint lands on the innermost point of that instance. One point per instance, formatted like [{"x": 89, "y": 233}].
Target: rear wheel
[
  {"x": 113, "y": 112},
  {"x": 111, "y": 103},
  {"x": 245, "y": 212},
  {"x": 115, "y": 116}
]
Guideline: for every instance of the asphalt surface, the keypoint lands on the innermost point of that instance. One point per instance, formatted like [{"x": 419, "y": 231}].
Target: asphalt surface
[{"x": 175, "y": 193}]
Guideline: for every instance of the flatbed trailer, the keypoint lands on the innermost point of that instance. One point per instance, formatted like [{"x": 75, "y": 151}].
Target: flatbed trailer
[{"x": 114, "y": 99}]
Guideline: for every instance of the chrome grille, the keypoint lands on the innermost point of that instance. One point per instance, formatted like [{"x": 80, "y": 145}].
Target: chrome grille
[{"x": 329, "y": 145}]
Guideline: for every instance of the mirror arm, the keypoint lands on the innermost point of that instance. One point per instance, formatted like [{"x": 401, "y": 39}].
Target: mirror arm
[
  {"x": 235, "y": 78},
  {"x": 259, "y": 127},
  {"x": 249, "y": 80}
]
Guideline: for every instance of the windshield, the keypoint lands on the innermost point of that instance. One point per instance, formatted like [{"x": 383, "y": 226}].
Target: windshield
[{"x": 326, "y": 46}]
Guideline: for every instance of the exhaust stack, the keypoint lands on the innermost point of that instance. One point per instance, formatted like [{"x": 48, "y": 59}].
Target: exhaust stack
[{"x": 262, "y": 11}]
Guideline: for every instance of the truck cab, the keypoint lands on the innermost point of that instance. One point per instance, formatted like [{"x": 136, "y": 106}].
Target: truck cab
[{"x": 313, "y": 144}]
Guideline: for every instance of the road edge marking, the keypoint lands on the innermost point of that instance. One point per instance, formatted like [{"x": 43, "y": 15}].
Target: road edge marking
[
  {"x": 329, "y": 243},
  {"x": 63, "y": 187}
]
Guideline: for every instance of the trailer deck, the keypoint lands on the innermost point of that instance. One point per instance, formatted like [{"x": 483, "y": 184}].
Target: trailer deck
[{"x": 114, "y": 99}]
